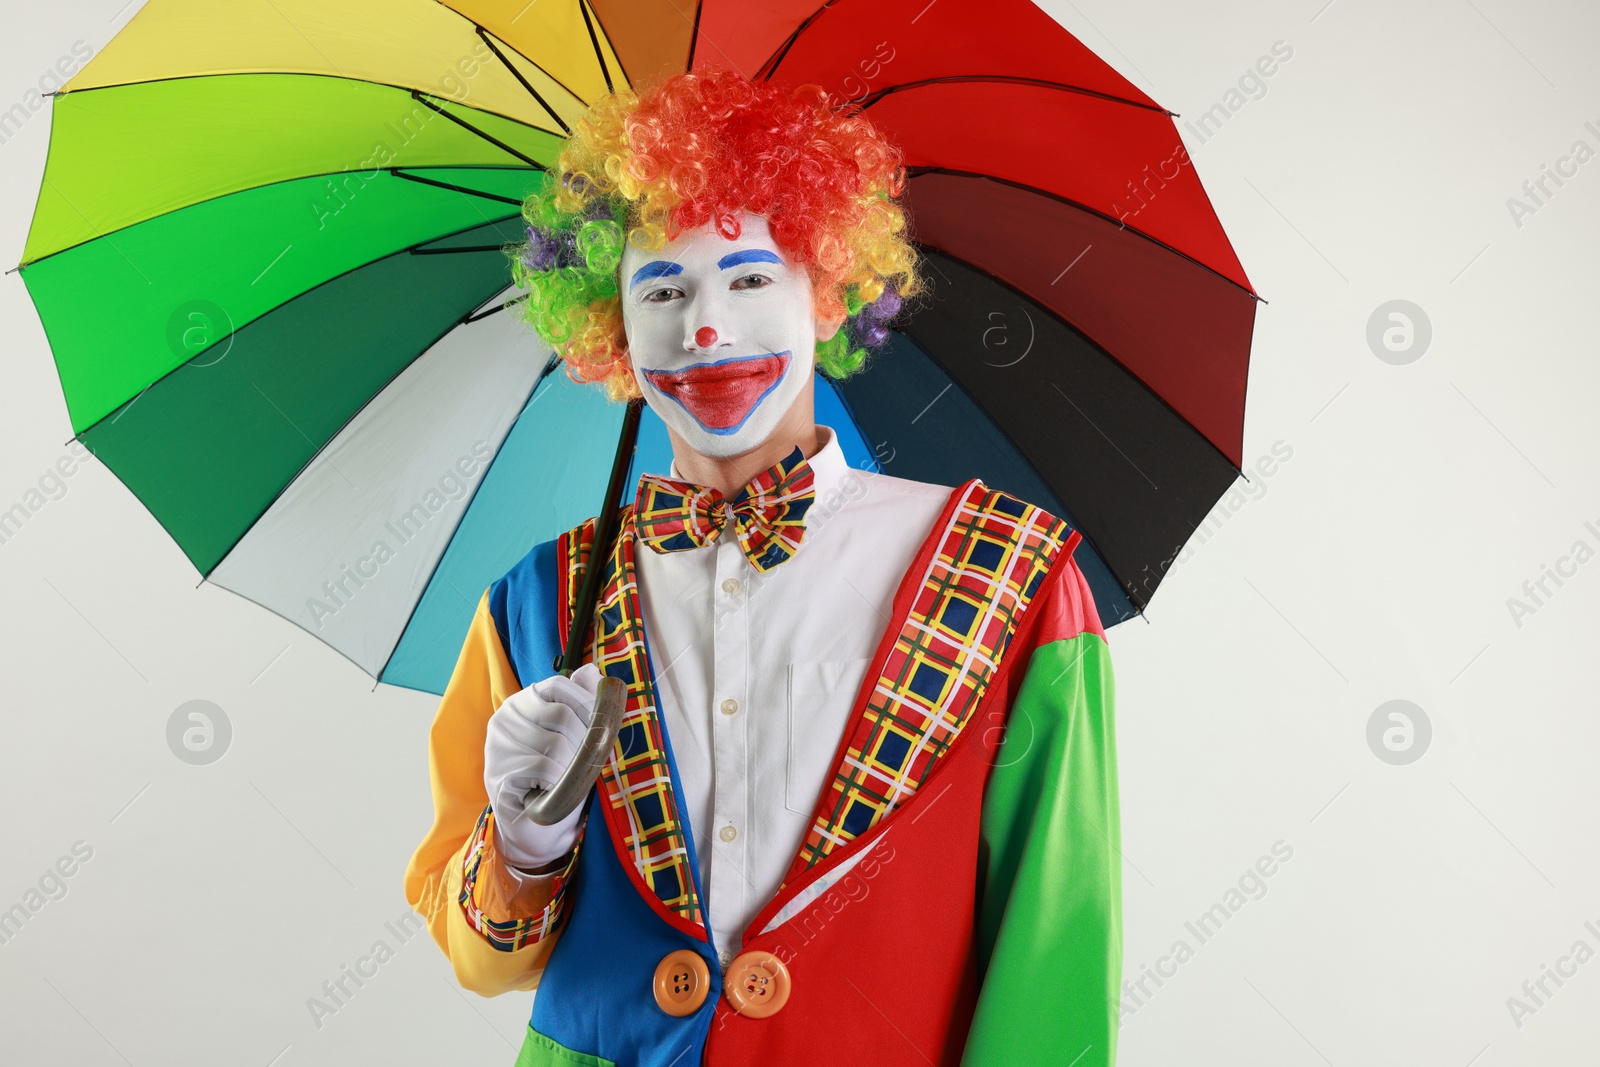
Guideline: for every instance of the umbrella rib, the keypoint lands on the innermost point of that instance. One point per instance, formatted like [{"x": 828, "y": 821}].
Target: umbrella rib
[
  {"x": 478, "y": 316},
  {"x": 622, "y": 68},
  {"x": 694, "y": 35},
  {"x": 1008, "y": 79},
  {"x": 469, "y": 127},
  {"x": 290, "y": 74},
  {"x": 296, "y": 178},
  {"x": 455, "y": 188},
  {"x": 517, "y": 74},
  {"x": 536, "y": 65},
  {"x": 594, "y": 40},
  {"x": 915, "y": 172},
  {"x": 770, "y": 67}
]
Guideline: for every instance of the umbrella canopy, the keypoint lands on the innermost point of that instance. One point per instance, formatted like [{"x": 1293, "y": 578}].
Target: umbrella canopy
[{"x": 267, "y": 254}]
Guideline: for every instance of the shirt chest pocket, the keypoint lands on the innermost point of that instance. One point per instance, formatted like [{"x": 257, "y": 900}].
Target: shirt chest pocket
[{"x": 821, "y": 696}]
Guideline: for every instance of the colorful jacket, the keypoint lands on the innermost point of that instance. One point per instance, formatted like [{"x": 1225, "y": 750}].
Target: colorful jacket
[{"x": 956, "y": 901}]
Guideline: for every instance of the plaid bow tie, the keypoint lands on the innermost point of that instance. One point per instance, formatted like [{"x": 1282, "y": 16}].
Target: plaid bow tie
[{"x": 769, "y": 512}]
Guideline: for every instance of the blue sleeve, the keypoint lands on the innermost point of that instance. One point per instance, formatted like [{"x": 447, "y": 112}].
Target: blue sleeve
[{"x": 524, "y": 605}]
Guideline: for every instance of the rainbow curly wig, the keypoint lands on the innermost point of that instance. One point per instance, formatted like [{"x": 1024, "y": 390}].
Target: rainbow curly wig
[{"x": 696, "y": 150}]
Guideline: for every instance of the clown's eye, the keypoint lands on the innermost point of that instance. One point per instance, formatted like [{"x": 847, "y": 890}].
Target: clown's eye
[
  {"x": 752, "y": 281},
  {"x": 660, "y": 296}
]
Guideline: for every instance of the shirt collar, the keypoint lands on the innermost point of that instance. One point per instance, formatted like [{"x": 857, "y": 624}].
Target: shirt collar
[{"x": 828, "y": 466}]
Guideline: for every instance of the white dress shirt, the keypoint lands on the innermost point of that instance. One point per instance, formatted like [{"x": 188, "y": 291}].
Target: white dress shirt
[{"x": 757, "y": 673}]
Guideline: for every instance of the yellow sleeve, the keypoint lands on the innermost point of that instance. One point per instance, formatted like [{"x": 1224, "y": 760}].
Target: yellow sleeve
[{"x": 496, "y": 936}]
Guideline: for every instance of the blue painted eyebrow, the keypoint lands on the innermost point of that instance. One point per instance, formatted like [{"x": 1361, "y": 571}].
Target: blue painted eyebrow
[
  {"x": 658, "y": 269},
  {"x": 748, "y": 255}
]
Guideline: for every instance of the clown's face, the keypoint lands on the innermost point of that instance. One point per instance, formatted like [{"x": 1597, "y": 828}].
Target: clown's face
[{"x": 721, "y": 334}]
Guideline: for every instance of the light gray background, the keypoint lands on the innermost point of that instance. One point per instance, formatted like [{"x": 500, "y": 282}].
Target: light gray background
[{"x": 1373, "y": 565}]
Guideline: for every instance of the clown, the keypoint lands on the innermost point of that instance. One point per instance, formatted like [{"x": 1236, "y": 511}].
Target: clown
[{"x": 863, "y": 805}]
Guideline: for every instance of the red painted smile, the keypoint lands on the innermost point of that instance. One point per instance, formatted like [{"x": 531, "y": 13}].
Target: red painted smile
[{"x": 721, "y": 395}]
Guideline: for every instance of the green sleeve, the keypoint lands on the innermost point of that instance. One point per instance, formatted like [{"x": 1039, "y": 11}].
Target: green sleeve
[{"x": 1049, "y": 933}]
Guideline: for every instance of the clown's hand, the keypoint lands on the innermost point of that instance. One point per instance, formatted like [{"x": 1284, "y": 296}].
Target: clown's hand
[{"x": 531, "y": 740}]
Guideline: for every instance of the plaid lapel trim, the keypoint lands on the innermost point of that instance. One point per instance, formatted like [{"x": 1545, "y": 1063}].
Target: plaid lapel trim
[
  {"x": 990, "y": 558},
  {"x": 641, "y": 805},
  {"x": 770, "y": 512}
]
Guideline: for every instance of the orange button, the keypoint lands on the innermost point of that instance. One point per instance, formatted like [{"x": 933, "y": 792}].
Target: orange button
[
  {"x": 757, "y": 984},
  {"x": 681, "y": 982}
]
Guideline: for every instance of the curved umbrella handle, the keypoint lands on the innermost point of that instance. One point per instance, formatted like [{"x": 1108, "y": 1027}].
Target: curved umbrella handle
[{"x": 549, "y": 806}]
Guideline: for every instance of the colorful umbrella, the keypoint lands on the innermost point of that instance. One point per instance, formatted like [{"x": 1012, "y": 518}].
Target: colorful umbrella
[{"x": 267, "y": 254}]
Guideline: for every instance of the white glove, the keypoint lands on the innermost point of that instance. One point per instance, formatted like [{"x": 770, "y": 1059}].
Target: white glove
[{"x": 531, "y": 740}]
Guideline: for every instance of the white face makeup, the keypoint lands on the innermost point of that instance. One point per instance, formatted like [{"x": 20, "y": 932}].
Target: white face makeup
[{"x": 721, "y": 334}]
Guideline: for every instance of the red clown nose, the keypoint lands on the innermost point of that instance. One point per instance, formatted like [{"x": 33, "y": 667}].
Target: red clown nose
[{"x": 705, "y": 337}]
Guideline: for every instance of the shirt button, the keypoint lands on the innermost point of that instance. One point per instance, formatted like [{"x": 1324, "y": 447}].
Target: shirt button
[
  {"x": 730, "y": 586},
  {"x": 728, "y": 833},
  {"x": 730, "y": 706}
]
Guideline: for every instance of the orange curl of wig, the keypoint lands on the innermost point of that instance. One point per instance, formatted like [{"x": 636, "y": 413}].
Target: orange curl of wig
[{"x": 698, "y": 150}]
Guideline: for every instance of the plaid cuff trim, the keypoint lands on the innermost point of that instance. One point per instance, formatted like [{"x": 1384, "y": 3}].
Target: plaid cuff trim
[{"x": 511, "y": 934}]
